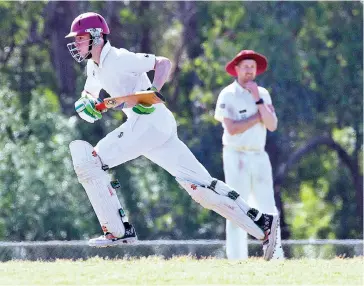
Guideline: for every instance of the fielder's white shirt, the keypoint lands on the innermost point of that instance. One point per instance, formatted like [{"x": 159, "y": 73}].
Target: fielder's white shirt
[
  {"x": 119, "y": 73},
  {"x": 237, "y": 103}
]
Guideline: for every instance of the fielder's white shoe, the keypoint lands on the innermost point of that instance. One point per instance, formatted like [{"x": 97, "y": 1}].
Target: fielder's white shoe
[
  {"x": 108, "y": 239},
  {"x": 278, "y": 253}
]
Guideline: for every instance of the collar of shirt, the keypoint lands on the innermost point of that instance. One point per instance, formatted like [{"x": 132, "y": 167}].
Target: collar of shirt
[
  {"x": 239, "y": 88},
  {"x": 105, "y": 50}
]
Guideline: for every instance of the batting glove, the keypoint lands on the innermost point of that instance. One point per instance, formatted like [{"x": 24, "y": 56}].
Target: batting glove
[{"x": 85, "y": 107}]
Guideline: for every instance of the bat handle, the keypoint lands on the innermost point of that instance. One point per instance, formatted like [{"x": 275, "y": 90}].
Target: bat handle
[{"x": 161, "y": 97}]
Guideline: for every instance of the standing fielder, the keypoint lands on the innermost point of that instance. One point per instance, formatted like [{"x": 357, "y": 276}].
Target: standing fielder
[
  {"x": 150, "y": 131},
  {"x": 246, "y": 112}
]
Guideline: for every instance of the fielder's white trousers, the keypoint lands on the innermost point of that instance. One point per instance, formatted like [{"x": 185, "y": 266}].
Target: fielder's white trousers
[
  {"x": 250, "y": 174},
  {"x": 155, "y": 137}
]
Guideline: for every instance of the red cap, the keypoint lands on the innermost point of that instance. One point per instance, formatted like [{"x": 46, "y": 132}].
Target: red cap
[{"x": 261, "y": 61}]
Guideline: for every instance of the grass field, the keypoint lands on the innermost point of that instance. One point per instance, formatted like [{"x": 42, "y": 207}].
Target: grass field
[{"x": 183, "y": 271}]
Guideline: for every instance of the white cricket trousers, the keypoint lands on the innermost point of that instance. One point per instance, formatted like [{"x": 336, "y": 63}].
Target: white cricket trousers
[
  {"x": 250, "y": 174},
  {"x": 155, "y": 137}
]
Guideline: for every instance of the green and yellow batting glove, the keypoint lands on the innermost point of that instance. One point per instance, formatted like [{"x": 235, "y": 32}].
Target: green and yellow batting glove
[
  {"x": 85, "y": 107},
  {"x": 145, "y": 109}
]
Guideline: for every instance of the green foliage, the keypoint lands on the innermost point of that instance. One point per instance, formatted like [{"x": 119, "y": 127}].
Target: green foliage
[
  {"x": 40, "y": 195},
  {"x": 315, "y": 78}
]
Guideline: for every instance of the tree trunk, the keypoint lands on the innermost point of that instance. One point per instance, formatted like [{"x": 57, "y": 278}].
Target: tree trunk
[
  {"x": 144, "y": 10},
  {"x": 59, "y": 16},
  {"x": 187, "y": 16}
]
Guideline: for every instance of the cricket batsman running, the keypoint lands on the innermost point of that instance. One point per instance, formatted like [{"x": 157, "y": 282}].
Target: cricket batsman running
[{"x": 149, "y": 131}]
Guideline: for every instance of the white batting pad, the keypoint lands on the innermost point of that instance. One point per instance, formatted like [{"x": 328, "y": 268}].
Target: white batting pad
[
  {"x": 224, "y": 189},
  {"x": 96, "y": 183},
  {"x": 223, "y": 205}
]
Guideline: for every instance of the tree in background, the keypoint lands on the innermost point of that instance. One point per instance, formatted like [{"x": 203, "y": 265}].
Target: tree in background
[
  {"x": 315, "y": 77},
  {"x": 308, "y": 47}
]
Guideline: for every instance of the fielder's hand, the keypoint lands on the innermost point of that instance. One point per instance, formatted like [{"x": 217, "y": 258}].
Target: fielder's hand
[
  {"x": 253, "y": 89},
  {"x": 85, "y": 107}
]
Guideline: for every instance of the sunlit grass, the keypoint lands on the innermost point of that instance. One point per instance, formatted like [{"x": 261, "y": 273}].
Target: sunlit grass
[{"x": 182, "y": 271}]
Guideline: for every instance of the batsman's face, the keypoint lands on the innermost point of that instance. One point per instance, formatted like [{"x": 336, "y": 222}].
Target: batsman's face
[
  {"x": 246, "y": 70},
  {"x": 82, "y": 44}
]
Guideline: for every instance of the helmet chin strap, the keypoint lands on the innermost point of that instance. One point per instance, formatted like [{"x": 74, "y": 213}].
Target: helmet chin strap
[{"x": 89, "y": 56}]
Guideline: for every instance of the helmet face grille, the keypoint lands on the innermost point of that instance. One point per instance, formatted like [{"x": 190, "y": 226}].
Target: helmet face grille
[{"x": 72, "y": 48}]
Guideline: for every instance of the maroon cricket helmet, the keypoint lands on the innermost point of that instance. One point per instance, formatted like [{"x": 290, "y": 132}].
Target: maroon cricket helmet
[{"x": 87, "y": 21}]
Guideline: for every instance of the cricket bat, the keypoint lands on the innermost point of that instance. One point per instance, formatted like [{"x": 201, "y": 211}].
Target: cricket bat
[{"x": 147, "y": 97}]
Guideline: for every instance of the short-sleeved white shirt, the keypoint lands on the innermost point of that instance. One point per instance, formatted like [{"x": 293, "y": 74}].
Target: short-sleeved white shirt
[
  {"x": 119, "y": 73},
  {"x": 237, "y": 103}
]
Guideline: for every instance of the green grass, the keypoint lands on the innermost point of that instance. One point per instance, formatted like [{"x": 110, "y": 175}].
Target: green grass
[{"x": 182, "y": 271}]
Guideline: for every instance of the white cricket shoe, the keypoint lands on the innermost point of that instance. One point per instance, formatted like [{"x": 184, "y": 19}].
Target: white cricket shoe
[{"x": 108, "y": 239}]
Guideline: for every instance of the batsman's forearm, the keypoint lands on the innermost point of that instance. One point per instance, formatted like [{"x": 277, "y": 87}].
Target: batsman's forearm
[
  {"x": 161, "y": 72},
  {"x": 269, "y": 118}
]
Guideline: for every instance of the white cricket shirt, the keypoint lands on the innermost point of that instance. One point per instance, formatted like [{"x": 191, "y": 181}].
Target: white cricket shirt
[
  {"x": 237, "y": 103},
  {"x": 119, "y": 73}
]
